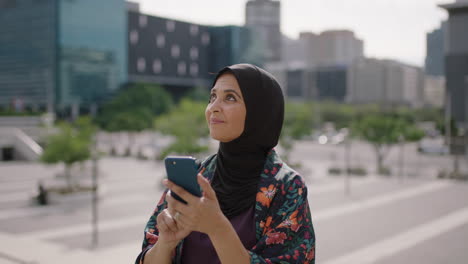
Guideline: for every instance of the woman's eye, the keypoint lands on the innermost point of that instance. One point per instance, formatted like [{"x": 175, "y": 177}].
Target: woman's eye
[
  {"x": 230, "y": 97},
  {"x": 212, "y": 97}
]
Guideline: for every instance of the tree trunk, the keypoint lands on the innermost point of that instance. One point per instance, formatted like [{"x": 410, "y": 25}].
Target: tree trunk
[
  {"x": 380, "y": 156},
  {"x": 68, "y": 176}
]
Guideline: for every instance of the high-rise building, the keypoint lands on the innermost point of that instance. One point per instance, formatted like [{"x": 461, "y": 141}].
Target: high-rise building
[
  {"x": 434, "y": 91},
  {"x": 388, "y": 83},
  {"x": 331, "y": 48},
  {"x": 456, "y": 68},
  {"x": 318, "y": 84},
  {"x": 61, "y": 53},
  {"x": 263, "y": 17},
  {"x": 434, "y": 64},
  {"x": 232, "y": 45},
  {"x": 168, "y": 52},
  {"x": 28, "y": 54}
]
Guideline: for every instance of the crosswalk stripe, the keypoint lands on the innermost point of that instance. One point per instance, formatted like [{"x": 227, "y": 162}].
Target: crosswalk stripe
[
  {"x": 404, "y": 240},
  {"x": 379, "y": 200}
]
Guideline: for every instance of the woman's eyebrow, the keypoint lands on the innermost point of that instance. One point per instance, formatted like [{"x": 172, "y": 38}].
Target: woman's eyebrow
[
  {"x": 232, "y": 91},
  {"x": 227, "y": 91}
]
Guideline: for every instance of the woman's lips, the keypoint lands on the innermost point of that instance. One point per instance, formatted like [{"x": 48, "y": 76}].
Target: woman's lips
[{"x": 215, "y": 121}]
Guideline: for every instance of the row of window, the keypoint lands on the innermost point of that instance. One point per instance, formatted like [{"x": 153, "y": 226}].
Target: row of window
[
  {"x": 161, "y": 42},
  {"x": 161, "y": 39},
  {"x": 170, "y": 25},
  {"x": 157, "y": 67}
]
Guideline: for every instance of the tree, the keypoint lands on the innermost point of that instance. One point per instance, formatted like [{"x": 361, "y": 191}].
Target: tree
[
  {"x": 298, "y": 121},
  {"x": 187, "y": 124},
  {"x": 71, "y": 145},
  {"x": 134, "y": 108},
  {"x": 383, "y": 131}
]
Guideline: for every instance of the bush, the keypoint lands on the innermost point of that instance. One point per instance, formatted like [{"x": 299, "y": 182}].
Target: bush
[
  {"x": 385, "y": 171},
  {"x": 334, "y": 171},
  {"x": 358, "y": 171}
]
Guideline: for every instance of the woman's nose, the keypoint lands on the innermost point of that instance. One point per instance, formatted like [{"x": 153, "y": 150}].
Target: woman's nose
[{"x": 214, "y": 106}]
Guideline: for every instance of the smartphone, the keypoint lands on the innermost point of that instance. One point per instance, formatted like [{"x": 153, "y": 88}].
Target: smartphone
[{"x": 183, "y": 170}]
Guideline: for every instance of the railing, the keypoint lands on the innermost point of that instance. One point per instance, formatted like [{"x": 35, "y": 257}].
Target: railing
[{"x": 23, "y": 144}]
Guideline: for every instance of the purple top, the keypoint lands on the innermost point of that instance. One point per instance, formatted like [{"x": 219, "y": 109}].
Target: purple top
[{"x": 197, "y": 246}]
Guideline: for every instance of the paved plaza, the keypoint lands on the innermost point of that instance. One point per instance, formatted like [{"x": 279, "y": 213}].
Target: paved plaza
[{"x": 412, "y": 219}]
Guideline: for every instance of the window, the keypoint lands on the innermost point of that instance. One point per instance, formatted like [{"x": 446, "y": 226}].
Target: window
[
  {"x": 181, "y": 68},
  {"x": 170, "y": 26},
  {"x": 193, "y": 30},
  {"x": 194, "y": 69},
  {"x": 205, "y": 39},
  {"x": 134, "y": 36},
  {"x": 160, "y": 40},
  {"x": 141, "y": 64},
  {"x": 157, "y": 66},
  {"x": 175, "y": 51},
  {"x": 143, "y": 20},
  {"x": 194, "y": 53}
]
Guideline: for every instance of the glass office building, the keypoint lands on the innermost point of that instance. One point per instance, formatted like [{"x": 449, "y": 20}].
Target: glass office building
[
  {"x": 234, "y": 44},
  {"x": 61, "y": 52},
  {"x": 27, "y": 53},
  {"x": 92, "y": 50}
]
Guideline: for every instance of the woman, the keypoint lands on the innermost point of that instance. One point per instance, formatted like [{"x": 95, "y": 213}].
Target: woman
[{"x": 254, "y": 208}]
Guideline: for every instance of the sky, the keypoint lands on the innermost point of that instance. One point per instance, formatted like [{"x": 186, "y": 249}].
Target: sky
[{"x": 391, "y": 29}]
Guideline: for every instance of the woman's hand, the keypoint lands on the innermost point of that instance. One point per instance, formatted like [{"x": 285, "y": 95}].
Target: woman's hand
[
  {"x": 201, "y": 214},
  {"x": 170, "y": 233}
]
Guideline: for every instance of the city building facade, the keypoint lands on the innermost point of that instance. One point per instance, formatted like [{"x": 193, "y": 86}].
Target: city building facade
[
  {"x": 71, "y": 56},
  {"x": 434, "y": 91},
  {"x": 456, "y": 70},
  {"x": 264, "y": 18},
  {"x": 330, "y": 48},
  {"x": 171, "y": 53},
  {"x": 435, "y": 42},
  {"x": 317, "y": 84},
  {"x": 388, "y": 83},
  {"x": 28, "y": 56},
  {"x": 232, "y": 45}
]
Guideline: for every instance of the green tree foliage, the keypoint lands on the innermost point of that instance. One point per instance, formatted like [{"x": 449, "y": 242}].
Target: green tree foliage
[
  {"x": 384, "y": 130},
  {"x": 71, "y": 145},
  {"x": 187, "y": 124},
  {"x": 134, "y": 108},
  {"x": 342, "y": 115},
  {"x": 199, "y": 94},
  {"x": 298, "y": 122}
]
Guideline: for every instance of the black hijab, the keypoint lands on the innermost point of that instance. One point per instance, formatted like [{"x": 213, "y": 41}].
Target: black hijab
[{"x": 240, "y": 162}]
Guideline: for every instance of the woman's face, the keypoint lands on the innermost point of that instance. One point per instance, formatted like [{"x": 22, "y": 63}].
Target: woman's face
[{"x": 226, "y": 110}]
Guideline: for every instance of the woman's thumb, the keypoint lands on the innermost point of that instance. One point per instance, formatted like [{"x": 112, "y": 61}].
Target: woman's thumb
[{"x": 206, "y": 187}]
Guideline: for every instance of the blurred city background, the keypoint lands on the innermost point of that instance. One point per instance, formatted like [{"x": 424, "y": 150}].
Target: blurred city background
[{"x": 94, "y": 95}]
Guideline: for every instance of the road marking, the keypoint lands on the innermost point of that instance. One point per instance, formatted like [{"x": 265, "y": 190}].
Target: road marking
[
  {"x": 405, "y": 240},
  {"x": 337, "y": 186},
  {"x": 86, "y": 228},
  {"x": 319, "y": 216},
  {"x": 13, "y": 197},
  {"x": 379, "y": 200},
  {"x": 104, "y": 203}
]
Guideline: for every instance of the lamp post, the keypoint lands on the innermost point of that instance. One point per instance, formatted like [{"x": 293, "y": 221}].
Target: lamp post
[{"x": 94, "y": 221}]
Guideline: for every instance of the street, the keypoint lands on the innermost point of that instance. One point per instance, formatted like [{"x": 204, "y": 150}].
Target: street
[{"x": 412, "y": 219}]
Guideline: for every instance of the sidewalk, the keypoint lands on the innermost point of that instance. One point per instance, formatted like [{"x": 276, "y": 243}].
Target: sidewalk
[{"x": 14, "y": 249}]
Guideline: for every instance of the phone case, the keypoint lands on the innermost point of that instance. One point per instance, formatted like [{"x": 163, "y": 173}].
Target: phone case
[{"x": 182, "y": 170}]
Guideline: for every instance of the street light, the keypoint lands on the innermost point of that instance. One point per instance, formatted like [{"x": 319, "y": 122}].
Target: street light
[{"x": 94, "y": 201}]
